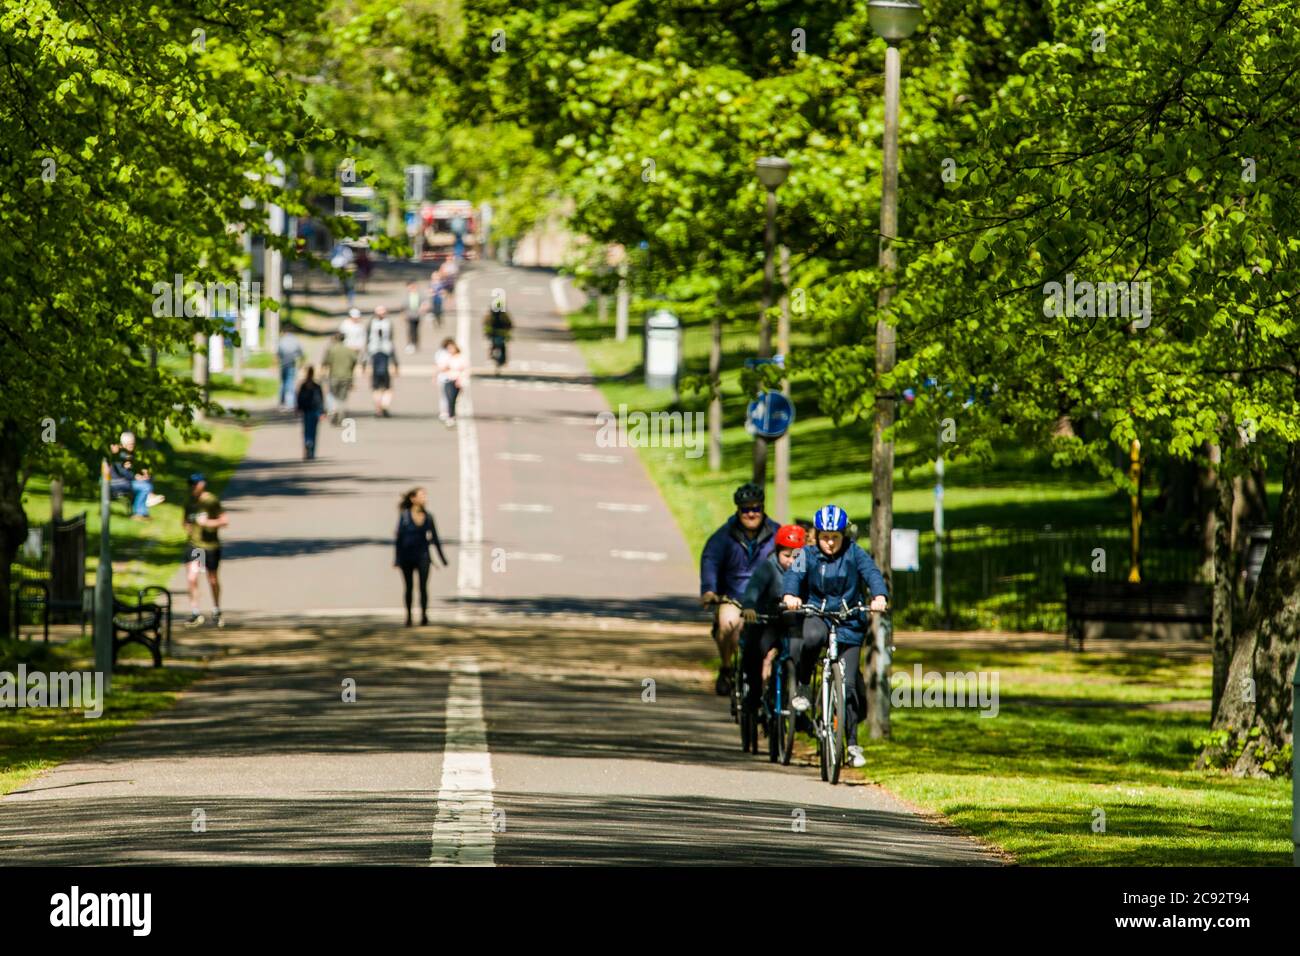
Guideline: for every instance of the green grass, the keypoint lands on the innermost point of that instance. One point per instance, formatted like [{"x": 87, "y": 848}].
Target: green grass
[
  {"x": 1071, "y": 737},
  {"x": 36, "y": 739},
  {"x": 148, "y": 552}
]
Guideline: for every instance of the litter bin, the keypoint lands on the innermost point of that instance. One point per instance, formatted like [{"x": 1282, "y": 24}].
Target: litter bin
[{"x": 663, "y": 349}]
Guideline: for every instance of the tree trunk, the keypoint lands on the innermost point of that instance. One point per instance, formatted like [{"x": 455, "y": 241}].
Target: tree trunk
[
  {"x": 1224, "y": 581},
  {"x": 1254, "y": 717},
  {"x": 13, "y": 520},
  {"x": 1207, "y": 496}
]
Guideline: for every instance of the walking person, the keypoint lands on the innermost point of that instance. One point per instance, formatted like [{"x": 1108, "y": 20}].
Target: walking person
[
  {"x": 339, "y": 364},
  {"x": 436, "y": 300},
  {"x": 354, "y": 334},
  {"x": 412, "y": 316},
  {"x": 383, "y": 361},
  {"x": 415, "y": 532},
  {"x": 311, "y": 406},
  {"x": 452, "y": 376},
  {"x": 289, "y": 352},
  {"x": 204, "y": 517}
]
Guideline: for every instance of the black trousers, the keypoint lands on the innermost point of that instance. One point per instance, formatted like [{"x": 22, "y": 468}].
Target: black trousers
[
  {"x": 807, "y": 647},
  {"x": 409, "y": 571},
  {"x": 756, "y": 640}
]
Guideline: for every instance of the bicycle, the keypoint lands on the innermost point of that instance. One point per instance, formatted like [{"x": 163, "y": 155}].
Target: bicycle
[
  {"x": 828, "y": 693},
  {"x": 751, "y": 718},
  {"x": 778, "y": 715}
]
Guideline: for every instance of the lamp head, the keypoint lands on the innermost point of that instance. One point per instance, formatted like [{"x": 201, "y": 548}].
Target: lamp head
[
  {"x": 772, "y": 171},
  {"x": 894, "y": 19}
]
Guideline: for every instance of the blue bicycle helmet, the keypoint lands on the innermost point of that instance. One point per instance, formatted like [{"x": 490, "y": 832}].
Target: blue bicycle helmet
[{"x": 831, "y": 518}]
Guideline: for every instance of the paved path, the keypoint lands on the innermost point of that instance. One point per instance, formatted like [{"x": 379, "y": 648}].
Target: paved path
[{"x": 554, "y": 714}]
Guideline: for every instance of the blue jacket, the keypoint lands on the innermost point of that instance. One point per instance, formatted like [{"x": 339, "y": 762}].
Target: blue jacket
[
  {"x": 730, "y": 557},
  {"x": 823, "y": 581}
]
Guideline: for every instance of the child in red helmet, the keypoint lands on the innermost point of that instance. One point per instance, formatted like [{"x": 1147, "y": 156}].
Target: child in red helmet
[{"x": 760, "y": 643}]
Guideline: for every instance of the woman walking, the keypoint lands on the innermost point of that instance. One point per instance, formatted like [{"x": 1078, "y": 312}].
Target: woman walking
[
  {"x": 453, "y": 373},
  {"x": 415, "y": 531},
  {"x": 311, "y": 406}
]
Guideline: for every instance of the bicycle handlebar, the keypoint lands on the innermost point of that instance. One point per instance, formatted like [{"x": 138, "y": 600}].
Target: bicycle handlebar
[{"x": 839, "y": 616}]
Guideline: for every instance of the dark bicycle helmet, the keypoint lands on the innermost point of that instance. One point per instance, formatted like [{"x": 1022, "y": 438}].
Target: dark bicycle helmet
[{"x": 748, "y": 492}]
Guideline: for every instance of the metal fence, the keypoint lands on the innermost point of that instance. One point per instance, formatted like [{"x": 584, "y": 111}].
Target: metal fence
[{"x": 1014, "y": 579}]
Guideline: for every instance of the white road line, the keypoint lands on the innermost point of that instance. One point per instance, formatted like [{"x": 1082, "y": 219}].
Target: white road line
[
  {"x": 553, "y": 347},
  {"x": 639, "y": 555},
  {"x": 517, "y": 456},
  {"x": 578, "y": 420},
  {"x": 557, "y": 293},
  {"x": 536, "y": 509},
  {"x": 619, "y": 506},
  {"x": 469, "y": 570},
  {"x": 462, "y": 828},
  {"x": 527, "y": 366},
  {"x": 601, "y": 459},
  {"x": 533, "y": 556}
]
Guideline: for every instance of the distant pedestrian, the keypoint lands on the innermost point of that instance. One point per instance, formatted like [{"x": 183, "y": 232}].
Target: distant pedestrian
[
  {"x": 339, "y": 365},
  {"x": 311, "y": 406},
  {"x": 451, "y": 376},
  {"x": 289, "y": 351},
  {"x": 204, "y": 517},
  {"x": 437, "y": 304},
  {"x": 382, "y": 359},
  {"x": 365, "y": 265},
  {"x": 415, "y": 532},
  {"x": 412, "y": 316},
  {"x": 354, "y": 333}
]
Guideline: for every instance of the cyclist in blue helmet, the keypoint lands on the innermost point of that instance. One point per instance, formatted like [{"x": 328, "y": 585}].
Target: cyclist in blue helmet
[{"x": 833, "y": 575}]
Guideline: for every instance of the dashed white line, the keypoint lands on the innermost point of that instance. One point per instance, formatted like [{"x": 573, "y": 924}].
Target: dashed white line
[
  {"x": 469, "y": 568},
  {"x": 601, "y": 459},
  {"x": 517, "y": 456},
  {"x": 462, "y": 828},
  {"x": 558, "y": 294},
  {"x": 639, "y": 555},
  {"x": 620, "y": 506},
  {"x": 535, "y": 509},
  {"x": 533, "y": 556}
]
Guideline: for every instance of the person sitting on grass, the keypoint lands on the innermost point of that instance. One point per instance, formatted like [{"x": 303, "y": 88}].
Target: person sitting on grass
[{"x": 124, "y": 479}]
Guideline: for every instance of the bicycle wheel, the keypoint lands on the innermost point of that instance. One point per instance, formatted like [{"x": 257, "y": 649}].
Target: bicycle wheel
[
  {"x": 771, "y": 704},
  {"x": 786, "y": 718},
  {"x": 835, "y": 730},
  {"x": 820, "y": 725}
]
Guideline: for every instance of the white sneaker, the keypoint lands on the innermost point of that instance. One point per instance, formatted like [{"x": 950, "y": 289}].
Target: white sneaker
[
  {"x": 154, "y": 500},
  {"x": 800, "y": 704},
  {"x": 856, "y": 759}
]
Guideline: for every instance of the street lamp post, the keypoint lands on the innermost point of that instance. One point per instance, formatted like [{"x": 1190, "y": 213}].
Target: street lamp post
[
  {"x": 772, "y": 172},
  {"x": 893, "y": 20}
]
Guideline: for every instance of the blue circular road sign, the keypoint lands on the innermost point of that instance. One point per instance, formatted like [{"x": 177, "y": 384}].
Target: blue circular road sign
[{"x": 770, "y": 415}]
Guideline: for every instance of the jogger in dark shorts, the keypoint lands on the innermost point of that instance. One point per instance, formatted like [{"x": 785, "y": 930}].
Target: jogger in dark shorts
[{"x": 204, "y": 518}]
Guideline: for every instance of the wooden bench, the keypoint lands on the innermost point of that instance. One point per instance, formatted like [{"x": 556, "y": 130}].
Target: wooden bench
[
  {"x": 36, "y": 593},
  {"x": 148, "y": 623},
  {"x": 1093, "y": 599}
]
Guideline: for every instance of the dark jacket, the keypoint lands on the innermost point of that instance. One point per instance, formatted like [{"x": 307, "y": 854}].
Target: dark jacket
[
  {"x": 310, "y": 399},
  {"x": 413, "y": 539},
  {"x": 832, "y": 583},
  {"x": 729, "y": 557},
  {"x": 765, "y": 588}
]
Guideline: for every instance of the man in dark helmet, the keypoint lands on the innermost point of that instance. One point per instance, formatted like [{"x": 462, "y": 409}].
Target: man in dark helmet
[{"x": 730, "y": 557}]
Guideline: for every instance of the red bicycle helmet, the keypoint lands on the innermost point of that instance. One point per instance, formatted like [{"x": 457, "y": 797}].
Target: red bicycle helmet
[{"x": 791, "y": 536}]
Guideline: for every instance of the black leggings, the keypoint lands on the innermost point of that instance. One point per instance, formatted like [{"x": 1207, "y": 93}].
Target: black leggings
[
  {"x": 805, "y": 650},
  {"x": 408, "y": 572},
  {"x": 756, "y": 641}
]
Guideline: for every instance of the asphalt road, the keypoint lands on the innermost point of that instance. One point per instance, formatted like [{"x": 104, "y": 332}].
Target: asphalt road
[{"x": 554, "y": 713}]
